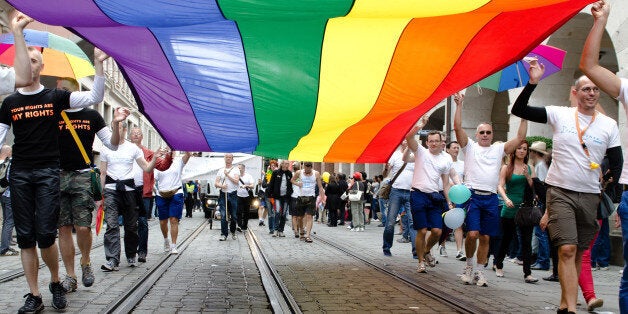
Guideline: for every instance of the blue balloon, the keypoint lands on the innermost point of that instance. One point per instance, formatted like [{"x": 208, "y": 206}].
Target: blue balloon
[
  {"x": 459, "y": 194},
  {"x": 454, "y": 218}
]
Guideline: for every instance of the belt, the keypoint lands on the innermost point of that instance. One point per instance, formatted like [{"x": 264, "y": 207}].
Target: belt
[{"x": 481, "y": 192}]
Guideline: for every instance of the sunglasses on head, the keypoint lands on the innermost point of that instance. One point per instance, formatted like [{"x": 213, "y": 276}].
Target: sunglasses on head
[{"x": 486, "y": 132}]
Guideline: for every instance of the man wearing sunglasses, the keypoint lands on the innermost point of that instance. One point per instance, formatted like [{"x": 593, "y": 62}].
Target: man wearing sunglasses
[
  {"x": 617, "y": 88},
  {"x": 582, "y": 136},
  {"x": 482, "y": 161}
]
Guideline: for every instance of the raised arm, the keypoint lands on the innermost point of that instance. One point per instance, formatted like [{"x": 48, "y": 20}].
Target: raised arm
[
  {"x": 97, "y": 93},
  {"x": 589, "y": 62},
  {"x": 521, "y": 108},
  {"x": 461, "y": 135},
  {"x": 111, "y": 139},
  {"x": 148, "y": 166},
  {"x": 413, "y": 145},
  {"x": 513, "y": 143},
  {"x": 21, "y": 62}
]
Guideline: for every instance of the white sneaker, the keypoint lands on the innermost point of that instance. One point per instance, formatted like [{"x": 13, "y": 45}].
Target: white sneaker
[
  {"x": 174, "y": 250},
  {"x": 467, "y": 275},
  {"x": 166, "y": 245},
  {"x": 480, "y": 279},
  {"x": 442, "y": 251},
  {"x": 361, "y": 229},
  {"x": 499, "y": 272}
]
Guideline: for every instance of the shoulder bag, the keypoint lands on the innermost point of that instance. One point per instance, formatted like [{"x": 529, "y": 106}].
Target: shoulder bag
[
  {"x": 356, "y": 195},
  {"x": 94, "y": 172},
  {"x": 529, "y": 213},
  {"x": 606, "y": 207},
  {"x": 384, "y": 189}
]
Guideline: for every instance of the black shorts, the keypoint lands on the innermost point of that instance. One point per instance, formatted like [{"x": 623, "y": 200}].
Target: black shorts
[
  {"x": 306, "y": 205},
  {"x": 35, "y": 201}
]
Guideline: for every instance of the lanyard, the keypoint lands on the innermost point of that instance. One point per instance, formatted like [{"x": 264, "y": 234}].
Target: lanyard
[{"x": 592, "y": 165}]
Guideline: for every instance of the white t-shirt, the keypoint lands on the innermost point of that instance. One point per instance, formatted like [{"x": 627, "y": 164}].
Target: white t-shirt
[
  {"x": 296, "y": 190},
  {"x": 482, "y": 165},
  {"x": 120, "y": 162},
  {"x": 428, "y": 170},
  {"x": 138, "y": 175},
  {"x": 623, "y": 98},
  {"x": 570, "y": 166},
  {"x": 404, "y": 181},
  {"x": 7, "y": 80},
  {"x": 171, "y": 178},
  {"x": 247, "y": 179},
  {"x": 459, "y": 167},
  {"x": 222, "y": 178}
]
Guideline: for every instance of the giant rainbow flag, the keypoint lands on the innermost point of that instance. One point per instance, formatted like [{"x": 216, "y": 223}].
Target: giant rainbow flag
[{"x": 317, "y": 80}]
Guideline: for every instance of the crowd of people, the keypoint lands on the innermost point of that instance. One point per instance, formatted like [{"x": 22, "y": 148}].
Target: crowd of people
[{"x": 48, "y": 173}]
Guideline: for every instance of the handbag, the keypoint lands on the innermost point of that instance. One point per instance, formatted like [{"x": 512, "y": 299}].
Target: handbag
[
  {"x": 384, "y": 190},
  {"x": 529, "y": 213},
  {"x": 344, "y": 196},
  {"x": 606, "y": 207},
  {"x": 528, "y": 216},
  {"x": 355, "y": 195},
  {"x": 96, "y": 184}
]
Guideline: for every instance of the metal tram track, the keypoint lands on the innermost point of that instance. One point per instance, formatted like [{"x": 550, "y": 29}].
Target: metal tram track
[
  {"x": 17, "y": 273},
  {"x": 126, "y": 302},
  {"x": 280, "y": 298},
  {"x": 461, "y": 306}
]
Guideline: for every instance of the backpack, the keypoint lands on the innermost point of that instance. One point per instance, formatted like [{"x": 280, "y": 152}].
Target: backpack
[{"x": 4, "y": 171}]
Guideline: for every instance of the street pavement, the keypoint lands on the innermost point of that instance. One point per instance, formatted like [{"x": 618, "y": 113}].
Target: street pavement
[{"x": 221, "y": 277}]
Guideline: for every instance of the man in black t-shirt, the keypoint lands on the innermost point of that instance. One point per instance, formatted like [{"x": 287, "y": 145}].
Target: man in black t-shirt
[
  {"x": 76, "y": 200},
  {"x": 34, "y": 114}
]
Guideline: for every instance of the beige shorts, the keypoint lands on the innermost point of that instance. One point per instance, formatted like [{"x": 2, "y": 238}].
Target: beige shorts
[{"x": 572, "y": 217}]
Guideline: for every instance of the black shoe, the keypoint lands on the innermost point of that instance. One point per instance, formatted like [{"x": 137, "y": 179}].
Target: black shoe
[
  {"x": 551, "y": 278},
  {"x": 239, "y": 229},
  {"x": 58, "y": 295},
  {"x": 32, "y": 304}
]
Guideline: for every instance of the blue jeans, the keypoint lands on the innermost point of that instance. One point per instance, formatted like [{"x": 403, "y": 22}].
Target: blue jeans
[
  {"x": 271, "y": 215},
  {"x": 601, "y": 251},
  {"x": 622, "y": 211},
  {"x": 7, "y": 224},
  {"x": 542, "y": 257},
  {"x": 281, "y": 209},
  {"x": 383, "y": 208},
  {"x": 231, "y": 202},
  {"x": 399, "y": 199}
]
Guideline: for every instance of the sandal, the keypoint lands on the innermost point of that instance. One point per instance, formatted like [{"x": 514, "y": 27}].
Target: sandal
[{"x": 308, "y": 240}]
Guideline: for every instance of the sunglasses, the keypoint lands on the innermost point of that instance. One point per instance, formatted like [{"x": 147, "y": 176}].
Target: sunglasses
[{"x": 486, "y": 132}]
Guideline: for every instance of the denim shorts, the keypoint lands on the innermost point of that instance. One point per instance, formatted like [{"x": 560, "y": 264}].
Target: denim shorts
[
  {"x": 170, "y": 207},
  {"x": 483, "y": 214},
  {"x": 427, "y": 209}
]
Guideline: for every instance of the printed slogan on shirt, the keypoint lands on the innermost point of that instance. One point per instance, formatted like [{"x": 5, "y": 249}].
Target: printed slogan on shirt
[
  {"x": 32, "y": 111},
  {"x": 78, "y": 124}
]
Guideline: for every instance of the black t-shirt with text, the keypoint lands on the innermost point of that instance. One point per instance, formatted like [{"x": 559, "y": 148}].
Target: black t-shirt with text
[
  {"x": 35, "y": 122},
  {"x": 87, "y": 122}
]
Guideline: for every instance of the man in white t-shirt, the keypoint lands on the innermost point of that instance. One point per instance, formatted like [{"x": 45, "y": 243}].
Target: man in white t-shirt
[
  {"x": 617, "y": 88},
  {"x": 483, "y": 161},
  {"x": 426, "y": 202},
  {"x": 119, "y": 191},
  {"x": 169, "y": 201},
  {"x": 582, "y": 136},
  {"x": 399, "y": 198},
  {"x": 245, "y": 185},
  {"x": 227, "y": 181}
]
